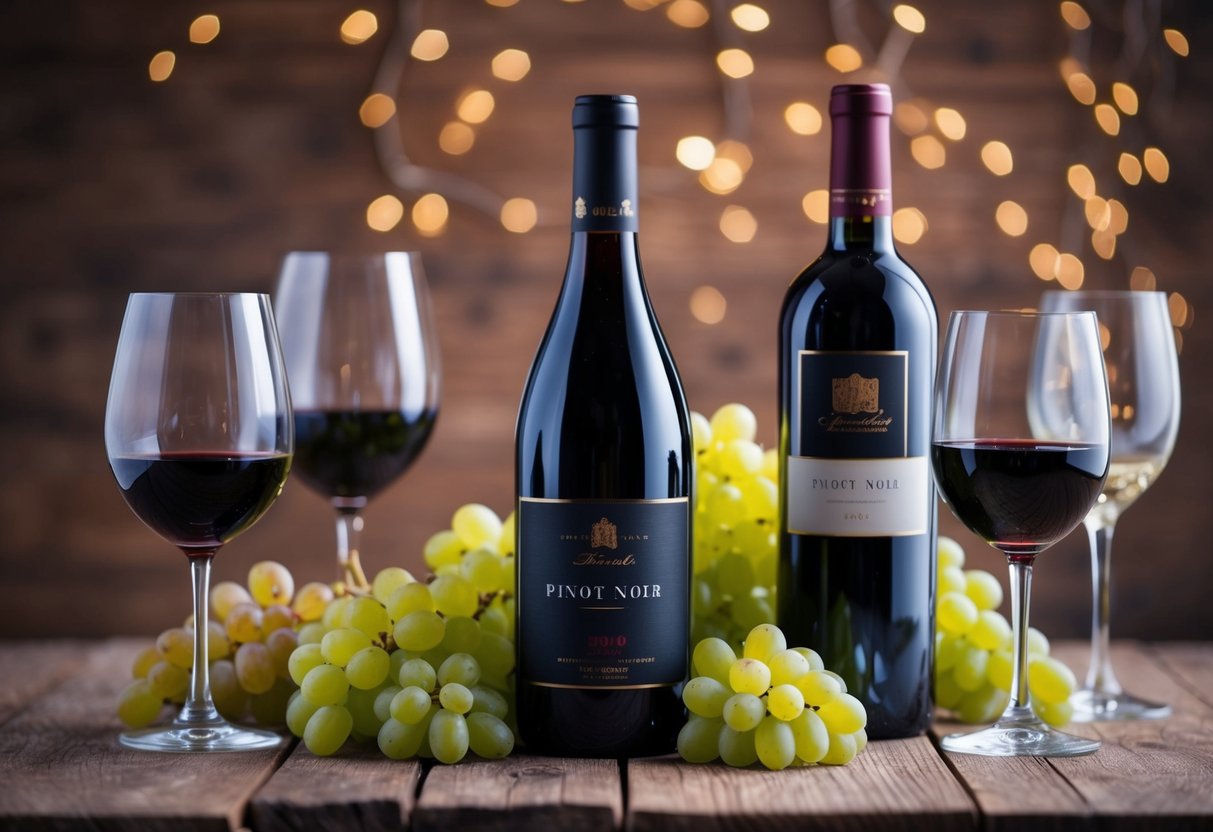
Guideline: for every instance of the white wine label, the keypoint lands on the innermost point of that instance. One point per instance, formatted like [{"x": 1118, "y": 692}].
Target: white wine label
[{"x": 858, "y": 497}]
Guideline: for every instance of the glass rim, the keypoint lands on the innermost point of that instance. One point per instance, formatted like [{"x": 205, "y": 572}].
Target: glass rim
[
  {"x": 197, "y": 294},
  {"x": 1018, "y": 313},
  {"x": 349, "y": 255},
  {"x": 1108, "y": 293}
]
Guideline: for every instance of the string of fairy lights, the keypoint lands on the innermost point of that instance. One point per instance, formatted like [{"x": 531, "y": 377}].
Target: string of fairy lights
[{"x": 1095, "y": 223}]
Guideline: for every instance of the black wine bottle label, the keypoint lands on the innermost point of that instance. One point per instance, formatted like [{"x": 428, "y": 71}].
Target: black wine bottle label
[
  {"x": 850, "y": 473},
  {"x": 603, "y": 587}
]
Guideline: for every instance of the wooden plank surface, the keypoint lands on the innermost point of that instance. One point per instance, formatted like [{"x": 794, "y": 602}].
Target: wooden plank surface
[
  {"x": 360, "y": 789},
  {"x": 1191, "y": 664},
  {"x": 522, "y": 792},
  {"x": 63, "y": 769},
  {"x": 29, "y": 669},
  {"x": 897, "y": 784}
]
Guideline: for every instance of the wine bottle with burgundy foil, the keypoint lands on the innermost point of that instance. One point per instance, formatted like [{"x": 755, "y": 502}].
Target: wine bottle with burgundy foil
[
  {"x": 857, "y": 353},
  {"x": 604, "y": 472}
]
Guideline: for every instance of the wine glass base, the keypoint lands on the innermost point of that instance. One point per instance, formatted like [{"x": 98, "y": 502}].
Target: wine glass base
[
  {"x": 1096, "y": 706},
  {"x": 1019, "y": 739},
  {"x": 183, "y": 739}
]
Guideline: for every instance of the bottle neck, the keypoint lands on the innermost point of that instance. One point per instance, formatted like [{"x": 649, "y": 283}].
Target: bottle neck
[
  {"x": 870, "y": 233},
  {"x": 861, "y": 197},
  {"x": 604, "y": 182}
]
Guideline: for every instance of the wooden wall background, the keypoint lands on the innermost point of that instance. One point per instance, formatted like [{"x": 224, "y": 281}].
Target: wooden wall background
[{"x": 110, "y": 183}]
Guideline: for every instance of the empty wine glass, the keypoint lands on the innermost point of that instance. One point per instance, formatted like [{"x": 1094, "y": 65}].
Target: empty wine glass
[
  {"x": 1143, "y": 378},
  {"x": 1020, "y": 450},
  {"x": 199, "y": 437},
  {"x": 362, "y": 359}
]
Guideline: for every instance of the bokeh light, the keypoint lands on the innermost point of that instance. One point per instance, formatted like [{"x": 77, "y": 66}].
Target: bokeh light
[
  {"x": 430, "y": 214},
  {"x": 750, "y": 18},
  {"x": 735, "y": 63},
  {"x": 1074, "y": 15},
  {"x": 996, "y": 156},
  {"x": 1044, "y": 259},
  {"x": 737, "y": 224},
  {"x": 844, "y": 57},
  {"x": 519, "y": 215},
  {"x": 1129, "y": 167},
  {"x": 695, "y": 152},
  {"x": 909, "y": 224},
  {"x": 475, "y": 106},
  {"x": 377, "y": 110},
  {"x": 803, "y": 118},
  {"x": 1081, "y": 181},
  {"x": 161, "y": 66},
  {"x": 950, "y": 123},
  {"x": 1177, "y": 41},
  {"x": 1156, "y": 164},
  {"x": 511, "y": 64},
  {"x": 928, "y": 151},
  {"x": 204, "y": 29},
  {"x": 1125, "y": 97},
  {"x": 708, "y": 305},
  {"x": 1070, "y": 272},
  {"x": 816, "y": 205},
  {"x": 1011, "y": 218},
  {"x": 456, "y": 138},
  {"x": 384, "y": 213},
  {"x": 359, "y": 27},
  {"x": 1108, "y": 118},
  {"x": 909, "y": 18},
  {"x": 430, "y": 45},
  {"x": 1142, "y": 280},
  {"x": 690, "y": 14}
]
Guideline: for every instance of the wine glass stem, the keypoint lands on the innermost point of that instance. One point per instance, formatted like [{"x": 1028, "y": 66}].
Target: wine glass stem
[
  {"x": 1099, "y": 675},
  {"x": 1021, "y": 596},
  {"x": 349, "y": 533},
  {"x": 199, "y": 710}
]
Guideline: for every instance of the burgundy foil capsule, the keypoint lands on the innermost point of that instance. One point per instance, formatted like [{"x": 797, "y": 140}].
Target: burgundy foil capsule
[{"x": 860, "y": 180}]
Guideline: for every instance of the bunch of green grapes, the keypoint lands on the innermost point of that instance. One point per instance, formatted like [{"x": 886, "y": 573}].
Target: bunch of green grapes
[
  {"x": 424, "y": 669},
  {"x": 251, "y": 635},
  {"x": 974, "y": 662},
  {"x": 774, "y": 705},
  {"x": 736, "y": 546}
]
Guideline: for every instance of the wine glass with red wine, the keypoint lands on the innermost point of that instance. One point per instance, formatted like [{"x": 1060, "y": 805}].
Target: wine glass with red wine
[
  {"x": 1020, "y": 445},
  {"x": 362, "y": 359},
  {"x": 199, "y": 437}
]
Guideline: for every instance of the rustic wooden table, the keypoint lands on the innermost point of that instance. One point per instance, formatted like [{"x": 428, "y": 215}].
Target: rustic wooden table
[{"x": 62, "y": 768}]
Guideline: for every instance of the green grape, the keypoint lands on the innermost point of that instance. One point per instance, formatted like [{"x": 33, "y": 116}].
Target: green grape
[
  {"x": 812, "y": 657},
  {"x": 701, "y": 432},
  {"x": 269, "y": 708},
  {"x": 736, "y": 748},
  {"x": 774, "y": 743},
  {"x": 705, "y": 483},
  {"x": 770, "y": 465},
  {"x": 843, "y": 749},
  {"x": 455, "y": 697},
  {"x": 303, "y": 659},
  {"x": 766, "y": 572},
  {"x": 948, "y": 694},
  {"x": 970, "y": 669},
  {"x": 983, "y": 589},
  {"x": 505, "y": 543},
  {"x": 368, "y": 668},
  {"x": 844, "y": 714},
  {"x": 462, "y": 634},
  {"x": 763, "y": 642},
  {"x": 705, "y": 696},
  {"x": 951, "y": 579},
  {"x": 983, "y": 705},
  {"x": 761, "y": 497},
  {"x": 743, "y": 711},
  {"x": 243, "y": 622},
  {"x": 1038, "y": 644},
  {"x": 810, "y": 735},
  {"x": 476, "y": 525},
  {"x": 1001, "y": 668},
  {"x": 787, "y": 666},
  {"x": 139, "y": 705},
  {"x": 217, "y": 645},
  {"x": 950, "y": 553},
  {"x": 339, "y": 646},
  {"x": 167, "y": 680},
  {"x": 1057, "y": 714},
  {"x": 488, "y": 736},
  {"x": 325, "y": 685},
  {"x": 368, "y": 616},
  {"x": 714, "y": 657},
  {"x": 270, "y": 582},
  {"x": 419, "y": 631},
  {"x": 733, "y": 421},
  {"x": 509, "y": 574},
  {"x": 495, "y": 655},
  {"x": 449, "y": 735},
  {"x": 311, "y": 600},
  {"x": 819, "y": 687},
  {"x": 726, "y": 504},
  {"x": 482, "y": 569},
  {"x": 418, "y": 673},
  {"x": 230, "y": 699},
  {"x": 255, "y": 667},
  {"x": 361, "y": 705},
  {"x": 1050, "y": 681},
  {"x": 991, "y": 631},
  {"x": 703, "y": 601},
  {"x": 698, "y": 739},
  {"x": 327, "y": 730},
  {"x": 144, "y": 662},
  {"x": 388, "y": 581},
  {"x": 749, "y": 611},
  {"x": 298, "y": 711},
  {"x": 950, "y": 650},
  {"x": 176, "y": 646},
  {"x": 956, "y": 613},
  {"x": 276, "y": 617},
  {"x": 459, "y": 668},
  {"x": 398, "y": 741},
  {"x": 334, "y": 613},
  {"x": 861, "y": 740},
  {"x": 739, "y": 459},
  {"x": 785, "y": 702},
  {"x": 383, "y": 701},
  {"x": 281, "y": 645},
  {"x": 842, "y": 683},
  {"x": 443, "y": 549},
  {"x": 409, "y": 598},
  {"x": 486, "y": 700},
  {"x": 750, "y": 676},
  {"x": 225, "y": 595},
  {"x": 312, "y": 632},
  {"x": 454, "y": 596}
]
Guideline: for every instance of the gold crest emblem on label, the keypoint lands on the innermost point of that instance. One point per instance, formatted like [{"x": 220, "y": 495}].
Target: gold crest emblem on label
[
  {"x": 625, "y": 208},
  {"x": 579, "y": 208},
  {"x": 856, "y": 394},
  {"x": 603, "y": 535}
]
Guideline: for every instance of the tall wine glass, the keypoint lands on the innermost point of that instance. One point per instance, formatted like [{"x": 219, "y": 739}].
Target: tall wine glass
[
  {"x": 1020, "y": 449},
  {"x": 362, "y": 359},
  {"x": 199, "y": 436},
  {"x": 1143, "y": 377}
]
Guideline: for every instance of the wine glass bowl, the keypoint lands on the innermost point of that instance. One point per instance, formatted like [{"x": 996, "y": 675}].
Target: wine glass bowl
[
  {"x": 1020, "y": 448},
  {"x": 199, "y": 437},
  {"x": 1143, "y": 380}
]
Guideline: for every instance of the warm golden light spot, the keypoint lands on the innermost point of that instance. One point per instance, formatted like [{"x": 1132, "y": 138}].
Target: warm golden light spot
[
  {"x": 750, "y": 18},
  {"x": 1070, "y": 272},
  {"x": 1130, "y": 168},
  {"x": 1142, "y": 280},
  {"x": 723, "y": 176},
  {"x": 708, "y": 305},
  {"x": 1177, "y": 41},
  {"x": 909, "y": 224},
  {"x": 816, "y": 206},
  {"x": 695, "y": 152},
  {"x": 161, "y": 66},
  {"x": 639, "y": 5},
  {"x": 1081, "y": 181},
  {"x": 456, "y": 138},
  {"x": 910, "y": 117},
  {"x": 430, "y": 214},
  {"x": 1119, "y": 222},
  {"x": 1074, "y": 15},
  {"x": 1156, "y": 164},
  {"x": 1105, "y": 338},
  {"x": 377, "y": 110},
  {"x": 738, "y": 224},
  {"x": 1179, "y": 342},
  {"x": 950, "y": 123},
  {"x": 384, "y": 213},
  {"x": 844, "y": 57},
  {"x": 1108, "y": 118},
  {"x": 1104, "y": 243},
  {"x": 359, "y": 27},
  {"x": 519, "y": 215},
  {"x": 996, "y": 156},
  {"x": 1044, "y": 260},
  {"x": 1011, "y": 218},
  {"x": 1125, "y": 97},
  {"x": 928, "y": 151},
  {"x": 502, "y": 4},
  {"x": 735, "y": 63},
  {"x": 1068, "y": 66},
  {"x": 475, "y": 106},
  {"x": 204, "y": 29},
  {"x": 803, "y": 118},
  {"x": 909, "y": 18},
  {"x": 430, "y": 45},
  {"x": 1081, "y": 87},
  {"x": 1178, "y": 305},
  {"x": 690, "y": 14},
  {"x": 511, "y": 64},
  {"x": 736, "y": 151},
  {"x": 1099, "y": 215}
]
